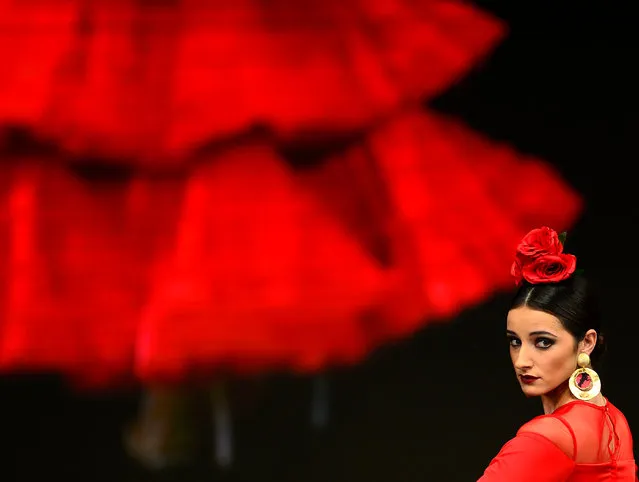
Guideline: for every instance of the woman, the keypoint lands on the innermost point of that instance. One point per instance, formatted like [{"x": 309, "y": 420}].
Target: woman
[{"x": 553, "y": 333}]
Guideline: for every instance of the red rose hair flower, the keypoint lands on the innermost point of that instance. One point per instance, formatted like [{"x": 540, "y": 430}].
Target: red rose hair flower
[
  {"x": 539, "y": 242},
  {"x": 540, "y": 258}
]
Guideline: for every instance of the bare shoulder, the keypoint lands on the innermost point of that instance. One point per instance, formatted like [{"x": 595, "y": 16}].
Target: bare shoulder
[{"x": 553, "y": 428}]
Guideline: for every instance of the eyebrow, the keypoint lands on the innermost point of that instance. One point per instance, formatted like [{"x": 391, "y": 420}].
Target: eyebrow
[{"x": 532, "y": 333}]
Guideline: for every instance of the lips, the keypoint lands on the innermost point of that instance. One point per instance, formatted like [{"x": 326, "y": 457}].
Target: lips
[{"x": 528, "y": 379}]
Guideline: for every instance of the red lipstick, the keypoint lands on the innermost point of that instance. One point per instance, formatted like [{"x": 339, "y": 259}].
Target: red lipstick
[{"x": 528, "y": 379}]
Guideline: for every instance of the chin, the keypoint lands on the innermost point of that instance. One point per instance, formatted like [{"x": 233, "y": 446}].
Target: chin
[{"x": 532, "y": 391}]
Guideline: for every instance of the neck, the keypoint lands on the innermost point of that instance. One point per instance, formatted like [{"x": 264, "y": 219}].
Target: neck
[
  {"x": 561, "y": 395},
  {"x": 554, "y": 399}
]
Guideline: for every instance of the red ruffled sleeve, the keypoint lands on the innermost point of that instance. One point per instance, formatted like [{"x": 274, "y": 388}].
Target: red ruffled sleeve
[{"x": 529, "y": 457}]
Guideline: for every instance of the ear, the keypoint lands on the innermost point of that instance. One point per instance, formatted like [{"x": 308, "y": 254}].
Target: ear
[{"x": 588, "y": 343}]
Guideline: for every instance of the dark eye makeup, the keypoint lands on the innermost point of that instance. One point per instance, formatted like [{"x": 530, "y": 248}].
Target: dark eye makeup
[
  {"x": 541, "y": 342},
  {"x": 544, "y": 343}
]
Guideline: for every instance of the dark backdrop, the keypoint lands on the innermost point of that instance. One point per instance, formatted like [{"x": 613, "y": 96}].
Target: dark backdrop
[{"x": 438, "y": 406}]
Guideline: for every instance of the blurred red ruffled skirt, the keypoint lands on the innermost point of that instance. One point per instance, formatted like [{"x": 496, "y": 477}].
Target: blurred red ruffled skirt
[
  {"x": 146, "y": 83},
  {"x": 246, "y": 263},
  {"x": 205, "y": 250}
]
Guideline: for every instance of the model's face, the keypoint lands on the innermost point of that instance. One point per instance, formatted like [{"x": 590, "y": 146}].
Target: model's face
[{"x": 543, "y": 352}]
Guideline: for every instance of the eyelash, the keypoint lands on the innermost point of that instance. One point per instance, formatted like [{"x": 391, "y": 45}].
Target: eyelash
[{"x": 547, "y": 342}]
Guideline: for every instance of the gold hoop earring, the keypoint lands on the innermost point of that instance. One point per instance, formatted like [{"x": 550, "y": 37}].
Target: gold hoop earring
[{"x": 584, "y": 382}]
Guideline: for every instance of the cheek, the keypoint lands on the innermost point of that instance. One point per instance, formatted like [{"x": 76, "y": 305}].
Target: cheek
[
  {"x": 560, "y": 365},
  {"x": 513, "y": 356}
]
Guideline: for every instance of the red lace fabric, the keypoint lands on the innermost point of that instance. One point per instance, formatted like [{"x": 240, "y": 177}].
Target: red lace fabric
[{"x": 579, "y": 442}]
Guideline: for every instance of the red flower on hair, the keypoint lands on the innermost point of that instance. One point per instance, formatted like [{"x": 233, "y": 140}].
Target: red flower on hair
[
  {"x": 540, "y": 258},
  {"x": 539, "y": 242},
  {"x": 549, "y": 268},
  {"x": 515, "y": 270}
]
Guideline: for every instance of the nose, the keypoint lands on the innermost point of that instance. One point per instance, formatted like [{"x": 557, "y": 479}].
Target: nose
[{"x": 523, "y": 360}]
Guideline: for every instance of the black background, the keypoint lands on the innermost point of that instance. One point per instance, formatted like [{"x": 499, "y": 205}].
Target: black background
[{"x": 440, "y": 405}]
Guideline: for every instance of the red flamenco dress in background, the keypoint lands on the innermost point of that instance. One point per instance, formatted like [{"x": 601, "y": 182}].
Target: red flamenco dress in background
[
  {"x": 415, "y": 191},
  {"x": 147, "y": 83},
  {"x": 75, "y": 260},
  {"x": 432, "y": 183},
  {"x": 260, "y": 276},
  {"x": 578, "y": 442},
  {"x": 162, "y": 90},
  {"x": 160, "y": 236}
]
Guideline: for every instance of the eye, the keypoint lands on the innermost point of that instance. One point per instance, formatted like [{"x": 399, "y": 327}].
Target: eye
[
  {"x": 544, "y": 343},
  {"x": 515, "y": 342}
]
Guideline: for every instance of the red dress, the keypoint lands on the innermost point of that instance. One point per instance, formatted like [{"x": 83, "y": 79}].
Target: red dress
[
  {"x": 75, "y": 257},
  {"x": 578, "y": 442},
  {"x": 243, "y": 263},
  {"x": 260, "y": 277},
  {"x": 415, "y": 193},
  {"x": 228, "y": 259},
  {"x": 148, "y": 82},
  {"x": 278, "y": 268}
]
